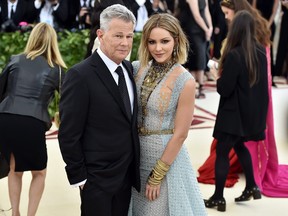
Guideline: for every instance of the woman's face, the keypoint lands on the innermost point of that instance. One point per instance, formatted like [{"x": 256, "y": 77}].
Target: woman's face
[
  {"x": 229, "y": 13},
  {"x": 160, "y": 45}
]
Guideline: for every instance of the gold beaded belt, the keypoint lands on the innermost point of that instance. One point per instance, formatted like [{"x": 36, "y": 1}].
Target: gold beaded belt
[{"x": 144, "y": 132}]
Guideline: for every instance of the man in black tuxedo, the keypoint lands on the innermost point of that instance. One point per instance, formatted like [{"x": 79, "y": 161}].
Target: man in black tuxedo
[
  {"x": 142, "y": 9},
  {"x": 79, "y": 16},
  {"x": 98, "y": 133},
  {"x": 13, "y": 12},
  {"x": 53, "y": 12}
]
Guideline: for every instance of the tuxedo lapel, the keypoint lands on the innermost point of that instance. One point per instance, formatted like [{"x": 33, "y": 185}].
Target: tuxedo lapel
[
  {"x": 105, "y": 76},
  {"x": 4, "y": 11}
]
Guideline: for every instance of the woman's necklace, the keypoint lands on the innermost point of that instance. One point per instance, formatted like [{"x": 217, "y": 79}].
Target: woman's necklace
[{"x": 155, "y": 74}]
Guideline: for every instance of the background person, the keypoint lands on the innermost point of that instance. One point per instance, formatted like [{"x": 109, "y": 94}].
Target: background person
[
  {"x": 268, "y": 10},
  {"x": 99, "y": 6},
  {"x": 53, "y": 12},
  {"x": 196, "y": 21},
  {"x": 269, "y": 175},
  {"x": 33, "y": 78},
  {"x": 243, "y": 89},
  {"x": 16, "y": 12},
  {"x": 281, "y": 65}
]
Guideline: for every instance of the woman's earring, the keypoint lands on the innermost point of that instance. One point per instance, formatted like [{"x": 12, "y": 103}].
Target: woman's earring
[{"x": 174, "y": 52}]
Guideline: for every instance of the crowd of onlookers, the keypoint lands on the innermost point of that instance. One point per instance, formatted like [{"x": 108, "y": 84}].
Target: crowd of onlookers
[
  {"x": 84, "y": 14},
  {"x": 61, "y": 14},
  {"x": 68, "y": 14},
  {"x": 166, "y": 94}
]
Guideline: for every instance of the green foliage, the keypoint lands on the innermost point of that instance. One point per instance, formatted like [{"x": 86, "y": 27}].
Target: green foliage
[
  {"x": 72, "y": 46},
  {"x": 135, "y": 47},
  {"x": 11, "y": 43}
]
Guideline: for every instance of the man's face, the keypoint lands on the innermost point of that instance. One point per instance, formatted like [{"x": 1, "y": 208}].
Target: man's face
[{"x": 116, "y": 41}]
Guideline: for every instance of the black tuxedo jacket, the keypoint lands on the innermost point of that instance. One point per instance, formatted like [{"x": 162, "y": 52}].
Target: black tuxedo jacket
[
  {"x": 97, "y": 140},
  {"x": 133, "y": 6},
  {"x": 74, "y": 8},
  {"x": 25, "y": 11},
  {"x": 60, "y": 15}
]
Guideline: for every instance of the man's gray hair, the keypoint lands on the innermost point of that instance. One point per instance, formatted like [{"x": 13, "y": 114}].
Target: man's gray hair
[{"x": 115, "y": 11}]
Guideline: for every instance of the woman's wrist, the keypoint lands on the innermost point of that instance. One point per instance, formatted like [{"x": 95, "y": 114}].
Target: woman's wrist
[{"x": 158, "y": 173}]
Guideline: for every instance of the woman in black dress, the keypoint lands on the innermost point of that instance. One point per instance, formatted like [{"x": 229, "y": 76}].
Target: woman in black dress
[
  {"x": 33, "y": 76},
  {"x": 196, "y": 21}
]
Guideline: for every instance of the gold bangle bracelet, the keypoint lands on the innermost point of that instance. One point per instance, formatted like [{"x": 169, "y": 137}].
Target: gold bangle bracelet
[{"x": 158, "y": 173}]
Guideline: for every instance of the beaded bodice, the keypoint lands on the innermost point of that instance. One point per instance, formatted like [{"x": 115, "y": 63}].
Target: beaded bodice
[{"x": 160, "y": 99}]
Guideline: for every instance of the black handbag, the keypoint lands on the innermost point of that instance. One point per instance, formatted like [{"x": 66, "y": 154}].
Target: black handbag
[
  {"x": 57, "y": 98},
  {"x": 4, "y": 167}
]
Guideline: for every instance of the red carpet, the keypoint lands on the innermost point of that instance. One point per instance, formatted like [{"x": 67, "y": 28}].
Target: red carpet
[{"x": 202, "y": 118}]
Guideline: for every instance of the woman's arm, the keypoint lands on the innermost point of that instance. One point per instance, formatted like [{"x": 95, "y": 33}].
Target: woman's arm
[
  {"x": 183, "y": 119},
  {"x": 194, "y": 7},
  {"x": 274, "y": 11},
  {"x": 209, "y": 20}
]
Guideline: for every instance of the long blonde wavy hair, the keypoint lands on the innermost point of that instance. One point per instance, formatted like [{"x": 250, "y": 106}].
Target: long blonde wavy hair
[{"x": 43, "y": 41}]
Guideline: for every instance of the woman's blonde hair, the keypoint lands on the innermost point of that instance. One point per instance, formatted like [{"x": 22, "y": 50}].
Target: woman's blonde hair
[
  {"x": 43, "y": 41},
  {"x": 170, "y": 24}
]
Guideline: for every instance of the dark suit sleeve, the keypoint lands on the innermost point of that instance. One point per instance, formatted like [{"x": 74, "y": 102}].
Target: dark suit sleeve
[
  {"x": 226, "y": 84},
  {"x": 73, "y": 113},
  {"x": 61, "y": 13},
  {"x": 132, "y": 5},
  {"x": 32, "y": 12}
]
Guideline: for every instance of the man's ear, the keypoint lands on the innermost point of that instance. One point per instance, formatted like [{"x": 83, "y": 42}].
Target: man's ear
[{"x": 99, "y": 33}]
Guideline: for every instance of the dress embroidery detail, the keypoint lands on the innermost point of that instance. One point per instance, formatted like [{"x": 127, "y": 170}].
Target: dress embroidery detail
[{"x": 154, "y": 75}]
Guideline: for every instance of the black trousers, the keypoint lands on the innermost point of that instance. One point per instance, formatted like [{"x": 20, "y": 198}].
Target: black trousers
[
  {"x": 224, "y": 146},
  {"x": 96, "y": 202}
]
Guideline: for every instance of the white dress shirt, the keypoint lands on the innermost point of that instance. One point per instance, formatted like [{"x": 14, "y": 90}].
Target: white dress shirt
[
  {"x": 10, "y": 4},
  {"x": 46, "y": 12},
  {"x": 112, "y": 66}
]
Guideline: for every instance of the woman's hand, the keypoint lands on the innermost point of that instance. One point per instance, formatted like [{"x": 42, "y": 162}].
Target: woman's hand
[
  {"x": 216, "y": 30},
  {"x": 152, "y": 192},
  {"x": 208, "y": 33},
  {"x": 214, "y": 72}
]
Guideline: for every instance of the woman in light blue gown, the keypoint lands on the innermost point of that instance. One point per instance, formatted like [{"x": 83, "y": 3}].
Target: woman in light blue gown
[{"x": 166, "y": 94}]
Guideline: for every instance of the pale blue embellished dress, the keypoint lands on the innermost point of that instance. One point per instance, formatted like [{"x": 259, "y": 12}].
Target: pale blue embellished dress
[{"x": 180, "y": 193}]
